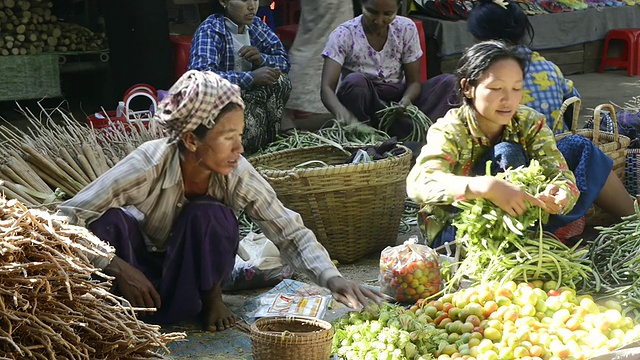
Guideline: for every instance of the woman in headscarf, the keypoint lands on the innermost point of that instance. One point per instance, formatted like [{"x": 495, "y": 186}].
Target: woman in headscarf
[
  {"x": 240, "y": 47},
  {"x": 168, "y": 210}
]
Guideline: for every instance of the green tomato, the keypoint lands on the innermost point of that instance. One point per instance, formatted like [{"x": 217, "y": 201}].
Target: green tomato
[
  {"x": 492, "y": 334},
  {"x": 467, "y": 328}
]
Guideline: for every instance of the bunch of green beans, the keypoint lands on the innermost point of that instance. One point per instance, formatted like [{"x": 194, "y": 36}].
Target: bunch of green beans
[
  {"x": 505, "y": 248},
  {"x": 333, "y": 133},
  {"x": 391, "y": 113},
  {"x": 614, "y": 257}
]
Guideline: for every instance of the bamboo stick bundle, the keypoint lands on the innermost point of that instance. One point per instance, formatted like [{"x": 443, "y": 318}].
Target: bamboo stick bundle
[
  {"x": 50, "y": 306},
  {"x": 65, "y": 154}
]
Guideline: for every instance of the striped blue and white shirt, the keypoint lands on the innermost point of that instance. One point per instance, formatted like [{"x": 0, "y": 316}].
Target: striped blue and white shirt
[
  {"x": 148, "y": 183},
  {"x": 212, "y": 49}
]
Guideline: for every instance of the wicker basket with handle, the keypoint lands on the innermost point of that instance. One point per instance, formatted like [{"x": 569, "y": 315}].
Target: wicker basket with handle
[
  {"x": 291, "y": 338},
  {"x": 353, "y": 209},
  {"x": 613, "y": 145}
]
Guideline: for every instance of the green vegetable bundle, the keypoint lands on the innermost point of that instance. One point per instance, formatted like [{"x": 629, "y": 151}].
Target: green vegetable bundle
[
  {"x": 505, "y": 248},
  {"x": 614, "y": 257},
  {"x": 421, "y": 122}
]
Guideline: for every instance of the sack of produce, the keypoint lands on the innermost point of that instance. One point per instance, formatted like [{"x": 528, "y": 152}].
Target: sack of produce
[{"x": 409, "y": 272}]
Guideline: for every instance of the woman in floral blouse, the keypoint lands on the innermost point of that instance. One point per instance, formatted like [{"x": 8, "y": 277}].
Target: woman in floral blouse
[
  {"x": 376, "y": 58},
  {"x": 492, "y": 125}
]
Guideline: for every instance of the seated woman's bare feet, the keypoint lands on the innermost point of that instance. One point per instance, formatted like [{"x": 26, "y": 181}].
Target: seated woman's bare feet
[{"x": 216, "y": 315}]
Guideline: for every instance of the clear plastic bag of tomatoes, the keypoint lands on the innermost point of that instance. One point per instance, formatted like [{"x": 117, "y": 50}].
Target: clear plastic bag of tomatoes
[{"x": 409, "y": 272}]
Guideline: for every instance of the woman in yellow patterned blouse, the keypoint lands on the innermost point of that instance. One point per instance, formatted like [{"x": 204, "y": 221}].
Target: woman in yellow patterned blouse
[
  {"x": 545, "y": 87},
  {"x": 492, "y": 125}
]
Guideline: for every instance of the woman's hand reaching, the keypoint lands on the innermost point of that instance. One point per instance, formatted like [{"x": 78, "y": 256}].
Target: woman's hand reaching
[
  {"x": 506, "y": 196},
  {"x": 344, "y": 116},
  {"x": 554, "y": 199},
  {"x": 351, "y": 294}
]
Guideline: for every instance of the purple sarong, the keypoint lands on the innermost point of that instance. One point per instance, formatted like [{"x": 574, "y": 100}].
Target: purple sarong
[
  {"x": 364, "y": 97},
  {"x": 201, "y": 252}
]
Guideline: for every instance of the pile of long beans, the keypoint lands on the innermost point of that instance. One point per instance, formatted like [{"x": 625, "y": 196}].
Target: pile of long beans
[
  {"x": 614, "y": 257},
  {"x": 504, "y": 248},
  {"x": 421, "y": 122},
  {"x": 333, "y": 133}
]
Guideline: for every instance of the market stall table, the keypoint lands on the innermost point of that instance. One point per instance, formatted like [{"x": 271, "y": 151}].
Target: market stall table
[{"x": 556, "y": 30}]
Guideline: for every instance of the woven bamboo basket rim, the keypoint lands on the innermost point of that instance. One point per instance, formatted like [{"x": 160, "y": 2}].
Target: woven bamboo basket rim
[
  {"x": 290, "y": 174},
  {"x": 263, "y": 329},
  {"x": 613, "y": 141},
  {"x": 559, "y": 120}
]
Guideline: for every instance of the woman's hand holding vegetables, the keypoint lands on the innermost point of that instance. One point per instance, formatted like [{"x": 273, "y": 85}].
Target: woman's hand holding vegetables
[
  {"x": 405, "y": 102},
  {"x": 352, "y": 294},
  {"x": 251, "y": 54},
  {"x": 554, "y": 198},
  {"x": 402, "y": 106},
  {"x": 265, "y": 76},
  {"x": 506, "y": 196},
  {"x": 345, "y": 116},
  {"x": 133, "y": 284}
]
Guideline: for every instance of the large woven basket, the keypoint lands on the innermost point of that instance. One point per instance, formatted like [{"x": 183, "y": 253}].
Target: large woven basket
[
  {"x": 291, "y": 338},
  {"x": 353, "y": 209}
]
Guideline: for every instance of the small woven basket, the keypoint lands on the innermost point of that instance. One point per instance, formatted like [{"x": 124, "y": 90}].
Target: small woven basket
[
  {"x": 291, "y": 338},
  {"x": 353, "y": 209},
  {"x": 613, "y": 145}
]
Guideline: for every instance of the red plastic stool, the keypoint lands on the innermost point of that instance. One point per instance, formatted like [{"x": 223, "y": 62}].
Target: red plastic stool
[
  {"x": 629, "y": 58},
  {"x": 290, "y": 11},
  {"x": 287, "y": 33},
  {"x": 423, "y": 46},
  {"x": 181, "y": 45}
]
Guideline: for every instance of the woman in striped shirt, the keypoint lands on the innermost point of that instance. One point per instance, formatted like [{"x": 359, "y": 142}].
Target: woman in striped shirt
[{"x": 169, "y": 207}]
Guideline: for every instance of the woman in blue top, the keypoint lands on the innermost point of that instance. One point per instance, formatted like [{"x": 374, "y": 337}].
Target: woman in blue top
[
  {"x": 545, "y": 87},
  {"x": 244, "y": 50}
]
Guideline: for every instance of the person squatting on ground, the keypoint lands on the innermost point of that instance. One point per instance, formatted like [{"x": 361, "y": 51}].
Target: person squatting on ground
[
  {"x": 168, "y": 209},
  {"x": 545, "y": 87},
  {"x": 317, "y": 20},
  {"x": 492, "y": 125},
  {"x": 240, "y": 47},
  {"x": 376, "y": 58}
]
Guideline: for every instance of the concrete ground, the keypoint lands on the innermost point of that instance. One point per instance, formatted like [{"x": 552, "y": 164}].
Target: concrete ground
[{"x": 612, "y": 86}]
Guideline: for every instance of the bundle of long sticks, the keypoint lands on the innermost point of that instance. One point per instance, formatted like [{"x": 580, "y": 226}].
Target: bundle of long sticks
[
  {"x": 50, "y": 307},
  {"x": 53, "y": 160}
]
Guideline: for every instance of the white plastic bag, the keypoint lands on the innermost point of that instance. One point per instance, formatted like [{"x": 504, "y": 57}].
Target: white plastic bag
[
  {"x": 409, "y": 272},
  {"x": 258, "y": 264}
]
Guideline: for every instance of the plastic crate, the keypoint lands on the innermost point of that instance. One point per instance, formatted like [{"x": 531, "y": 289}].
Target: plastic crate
[{"x": 29, "y": 77}]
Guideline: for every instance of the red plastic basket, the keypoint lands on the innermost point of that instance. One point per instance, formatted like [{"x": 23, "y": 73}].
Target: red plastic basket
[{"x": 109, "y": 119}]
